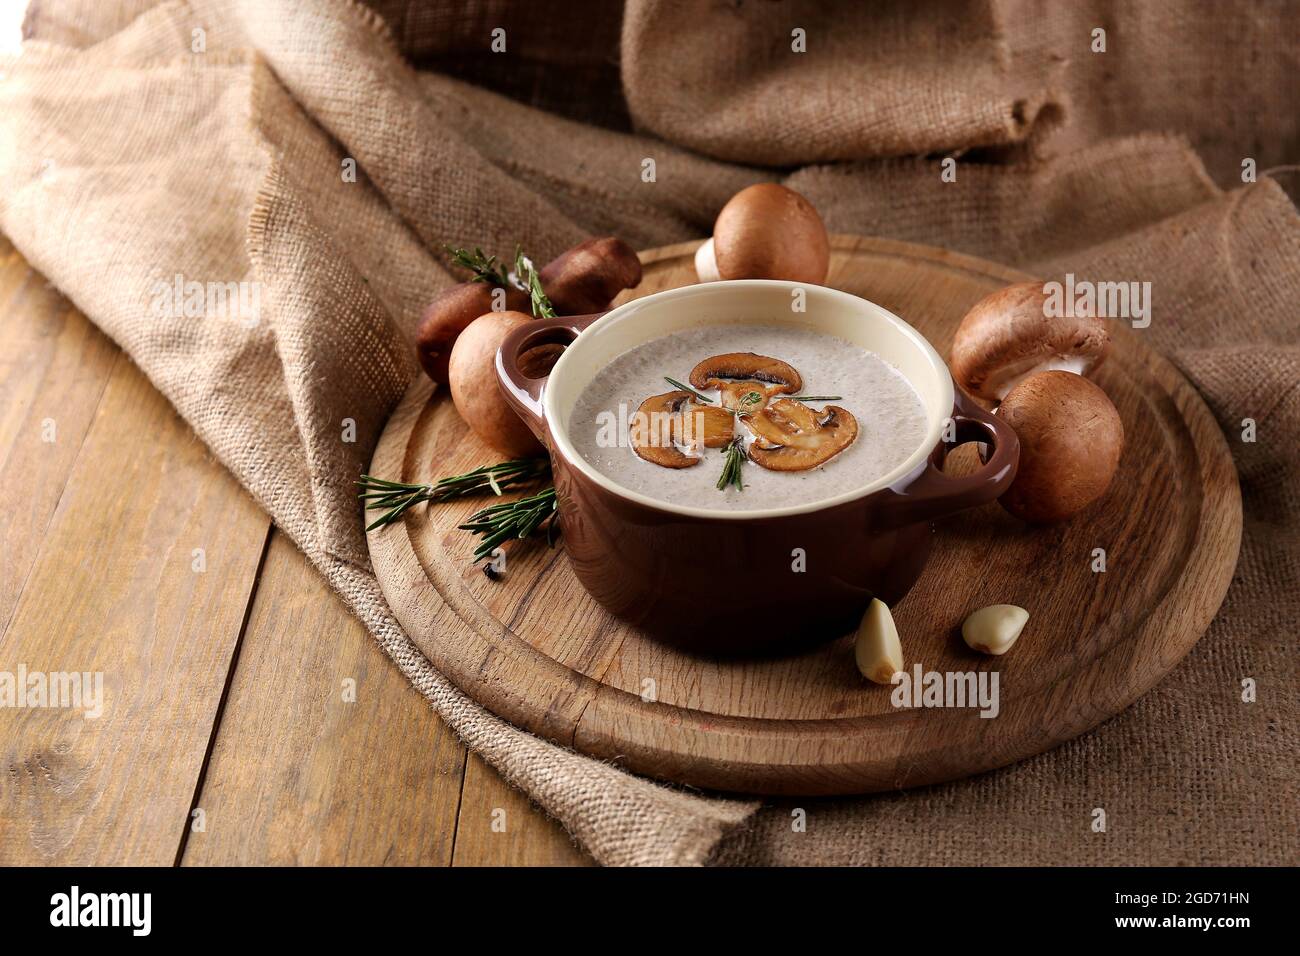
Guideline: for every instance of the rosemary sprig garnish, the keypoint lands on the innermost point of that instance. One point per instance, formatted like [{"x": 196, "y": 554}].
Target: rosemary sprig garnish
[
  {"x": 395, "y": 497},
  {"x": 735, "y": 457},
  {"x": 749, "y": 398},
  {"x": 485, "y": 267},
  {"x": 532, "y": 284},
  {"x": 513, "y": 519},
  {"x": 686, "y": 388}
]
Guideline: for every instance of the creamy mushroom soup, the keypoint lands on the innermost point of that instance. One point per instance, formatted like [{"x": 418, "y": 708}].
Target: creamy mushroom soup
[{"x": 757, "y": 417}]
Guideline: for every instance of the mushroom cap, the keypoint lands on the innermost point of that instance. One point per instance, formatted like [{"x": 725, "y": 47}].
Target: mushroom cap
[
  {"x": 587, "y": 277},
  {"x": 745, "y": 366},
  {"x": 474, "y": 388},
  {"x": 767, "y": 231},
  {"x": 1008, "y": 336},
  {"x": 1070, "y": 436}
]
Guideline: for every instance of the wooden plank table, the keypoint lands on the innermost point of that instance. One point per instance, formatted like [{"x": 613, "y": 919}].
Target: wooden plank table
[{"x": 247, "y": 717}]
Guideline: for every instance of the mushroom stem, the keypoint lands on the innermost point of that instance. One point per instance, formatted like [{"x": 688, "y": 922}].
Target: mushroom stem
[
  {"x": 1013, "y": 375},
  {"x": 706, "y": 262}
]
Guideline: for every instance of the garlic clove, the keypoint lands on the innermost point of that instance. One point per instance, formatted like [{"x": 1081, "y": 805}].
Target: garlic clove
[
  {"x": 878, "y": 652},
  {"x": 706, "y": 263},
  {"x": 993, "y": 629}
]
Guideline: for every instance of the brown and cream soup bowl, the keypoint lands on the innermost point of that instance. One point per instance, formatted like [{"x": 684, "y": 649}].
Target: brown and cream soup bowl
[{"x": 766, "y": 578}]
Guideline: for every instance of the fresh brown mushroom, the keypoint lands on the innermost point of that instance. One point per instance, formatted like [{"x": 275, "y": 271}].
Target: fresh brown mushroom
[
  {"x": 586, "y": 278},
  {"x": 580, "y": 281},
  {"x": 474, "y": 387},
  {"x": 656, "y": 428},
  {"x": 450, "y": 314},
  {"x": 766, "y": 231},
  {"x": 1070, "y": 436},
  {"x": 790, "y": 436},
  {"x": 1008, "y": 336}
]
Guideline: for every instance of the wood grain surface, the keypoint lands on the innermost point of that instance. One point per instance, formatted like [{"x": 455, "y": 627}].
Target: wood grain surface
[
  {"x": 536, "y": 649},
  {"x": 312, "y": 711},
  {"x": 222, "y": 687}
]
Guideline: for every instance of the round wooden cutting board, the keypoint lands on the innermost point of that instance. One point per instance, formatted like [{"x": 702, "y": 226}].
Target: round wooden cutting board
[{"x": 535, "y": 649}]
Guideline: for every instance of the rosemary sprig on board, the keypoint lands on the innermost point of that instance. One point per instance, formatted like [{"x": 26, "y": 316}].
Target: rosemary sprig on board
[
  {"x": 513, "y": 519},
  {"x": 735, "y": 457},
  {"x": 395, "y": 497},
  {"x": 485, "y": 267},
  {"x": 532, "y": 284}
]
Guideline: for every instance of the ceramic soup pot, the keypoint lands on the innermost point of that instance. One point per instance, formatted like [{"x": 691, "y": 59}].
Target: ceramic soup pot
[{"x": 727, "y": 582}]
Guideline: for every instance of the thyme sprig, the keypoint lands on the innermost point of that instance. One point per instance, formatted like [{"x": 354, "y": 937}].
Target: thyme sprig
[
  {"x": 817, "y": 398},
  {"x": 485, "y": 267},
  {"x": 527, "y": 276},
  {"x": 513, "y": 519},
  {"x": 395, "y": 497},
  {"x": 735, "y": 457}
]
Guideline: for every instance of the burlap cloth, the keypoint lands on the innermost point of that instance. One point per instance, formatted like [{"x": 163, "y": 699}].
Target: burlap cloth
[{"x": 142, "y": 140}]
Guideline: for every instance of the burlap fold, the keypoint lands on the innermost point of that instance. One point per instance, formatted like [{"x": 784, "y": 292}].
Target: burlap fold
[{"x": 135, "y": 150}]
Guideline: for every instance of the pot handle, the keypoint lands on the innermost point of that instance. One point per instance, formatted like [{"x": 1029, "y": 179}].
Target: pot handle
[
  {"x": 522, "y": 391},
  {"x": 932, "y": 494}
]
